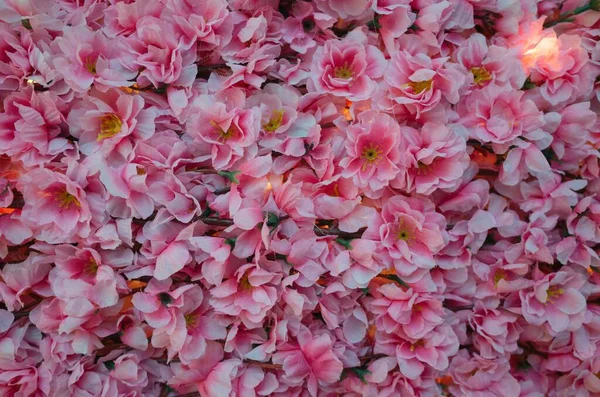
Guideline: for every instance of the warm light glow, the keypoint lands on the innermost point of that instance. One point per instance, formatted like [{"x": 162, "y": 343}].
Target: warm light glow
[
  {"x": 547, "y": 50},
  {"x": 30, "y": 81},
  {"x": 269, "y": 186}
]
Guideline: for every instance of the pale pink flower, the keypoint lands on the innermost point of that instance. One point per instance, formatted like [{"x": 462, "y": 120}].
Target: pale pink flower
[
  {"x": 205, "y": 24},
  {"x": 410, "y": 232},
  {"x": 211, "y": 375},
  {"x": 357, "y": 264},
  {"x": 156, "y": 49},
  {"x": 498, "y": 115},
  {"x": 478, "y": 376},
  {"x": 418, "y": 82},
  {"x": 347, "y": 68},
  {"x": 248, "y": 296},
  {"x": 83, "y": 273},
  {"x": 490, "y": 64},
  {"x": 496, "y": 330},
  {"x": 555, "y": 301},
  {"x": 87, "y": 57},
  {"x": 225, "y": 131},
  {"x": 559, "y": 65},
  {"x": 121, "y": 18},
  {"x": 433, "y": 350},
  {"x": 415, "y": 313},
  {"x": 127, "y": 184},
  {"x": 107, "y": 122},
  {"x": 30, "y": 127},
  {"x": 55, "y": 206},
  {"x": 372, "y": 152},
  {"x": 524, "y": 159},
  {"x": 300, "y": 28},
  {"x": 19, "y": 278},
  {"x": 310, "y": 356},
  {"x": 433, "y": 158}
]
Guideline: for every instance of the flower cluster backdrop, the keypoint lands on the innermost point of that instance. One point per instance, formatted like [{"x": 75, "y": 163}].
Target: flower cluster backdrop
[{"x": 299, "y": 198}]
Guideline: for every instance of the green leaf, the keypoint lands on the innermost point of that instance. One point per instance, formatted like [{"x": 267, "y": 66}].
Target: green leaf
[
  {"x": 343, "y": 242},
  {"x": 110, "y": 365},
  {"x": 26, "y": 24},
  {"x": 231, "y": 242},
  {"x": 397, "y": 279},
  {"x": 231, "y": 175},
  {"x": 272, "y": 219},
  {"x": 360, "y": 373}
]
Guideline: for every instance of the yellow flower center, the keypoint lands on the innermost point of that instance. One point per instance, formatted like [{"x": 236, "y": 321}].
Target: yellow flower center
[
  {"x": 222, "y": 134},
  {"x": 244, "y": 283},
  {"x": 499, "y": 275},
  {"x": 554, "y": 292},
  {"x": 66, "y": 200},
  {"x": 191, "y": 320},
  {"x": 404, "y": 233},
  {"x": 423, "y": 169},
  {"x": 92, "y": 267},
  {"x": 274, "y": 122},
  {"x": 343, "y": 72},
  {"x": 140, "y": 170},
  {"x": 372, "y": 155},
  {"x": 420, "y": 86},
  {"x": 418, "y": 343},
  {"x": 90, "y": 64},
  {"x": 480, "y": 75},
  {"x": 110, "y": 125}
]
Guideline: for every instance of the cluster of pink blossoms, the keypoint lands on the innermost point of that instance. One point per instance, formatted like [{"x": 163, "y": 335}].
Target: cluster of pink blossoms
[{"x": 297, "y": 198}]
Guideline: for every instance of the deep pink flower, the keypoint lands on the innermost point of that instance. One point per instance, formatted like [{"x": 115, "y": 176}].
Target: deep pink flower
[
  {"x": 300, "y": 28},
  {"x": 347, "y": 68}
]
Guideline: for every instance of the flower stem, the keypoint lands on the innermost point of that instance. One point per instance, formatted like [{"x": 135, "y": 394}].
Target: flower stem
[{"x": 566, "y": 17}]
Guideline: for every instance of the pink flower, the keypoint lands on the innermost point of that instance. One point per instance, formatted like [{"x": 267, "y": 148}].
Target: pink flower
[
  {"x": 433, "y": 158},
  {"x": 310, "y": 356},
  {"x": 211, "y": 376},
  {"x": 206, "y": 24},
  {"x": 87, "y": 57},
  {"x": 410, "y": 232},
  {"x": 373, "y": 153},
  {"x": 55, "y": 206},
  {"x": 347, "y": 68},
  {"x": 492, "y": 64},
  {"x": 107, "y": 122},
  {"x": 499, "y": 115},
  {"x": 496, "y": 330},
  {"x": 249, "y": 296},
  {"x": 418, "y": 82},
  {"x": 555, "y": 302},
  {"x": 478, "y": 376},
  {"x": 156, "y": 49},
  {"x": 300, "y": 28},
  {"x": 433, "y": 350},
  {"x": 224, "y": 130},
  {"x": 30, "y": 127},
  {"x": 415, "y": 314},
  {"x": 559, "y": 66}
]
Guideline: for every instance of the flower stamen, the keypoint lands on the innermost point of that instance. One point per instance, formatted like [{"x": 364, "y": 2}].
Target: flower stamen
[{"x": 110, "y": 125}]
